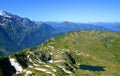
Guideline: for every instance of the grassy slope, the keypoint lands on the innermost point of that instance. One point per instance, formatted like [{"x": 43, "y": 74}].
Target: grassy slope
[{"x": 95, "y": 48}]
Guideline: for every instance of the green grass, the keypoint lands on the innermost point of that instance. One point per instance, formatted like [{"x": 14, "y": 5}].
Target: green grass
[{"x": 95, "y": 48}]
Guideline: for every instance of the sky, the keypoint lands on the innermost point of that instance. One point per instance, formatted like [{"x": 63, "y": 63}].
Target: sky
[{"x": 64, "y": 10}]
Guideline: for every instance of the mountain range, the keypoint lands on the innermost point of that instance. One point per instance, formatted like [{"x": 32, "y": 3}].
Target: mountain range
[
  {"x": 72, "y": 26},
  {"x": 18, "y": 33},
  {"x": 37, "y": 48}
]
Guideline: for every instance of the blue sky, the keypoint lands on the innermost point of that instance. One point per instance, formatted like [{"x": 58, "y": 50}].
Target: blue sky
[{"x": 64, "y": 10}]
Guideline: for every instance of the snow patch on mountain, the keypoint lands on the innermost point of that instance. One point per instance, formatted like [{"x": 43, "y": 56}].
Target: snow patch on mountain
[
  {"x": 44, "y": 70},
  {"x": 51, "y": 67},
  {"x": 50, "y": 61},
  {"x": 16, "y": 65},
  {"x": 59, "y": 61},
  {"x": 28, "y": 73},
  {"x": 2, "y": 13},
  {"x": 66, "y": 71}
]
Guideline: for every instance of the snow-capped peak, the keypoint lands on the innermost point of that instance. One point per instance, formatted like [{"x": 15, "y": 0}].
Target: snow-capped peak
[{"x": 5, "y": 14}]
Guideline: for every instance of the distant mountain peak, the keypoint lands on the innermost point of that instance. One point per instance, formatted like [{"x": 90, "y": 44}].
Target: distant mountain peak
[{"x": 5, "y": 14}]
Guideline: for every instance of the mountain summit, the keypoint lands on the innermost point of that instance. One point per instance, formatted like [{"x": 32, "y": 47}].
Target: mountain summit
[{"x": 5, "y": 14}]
